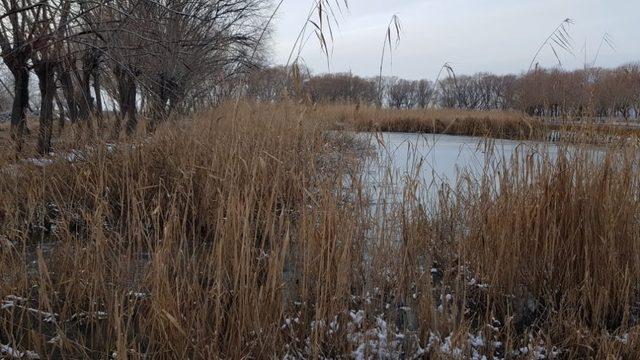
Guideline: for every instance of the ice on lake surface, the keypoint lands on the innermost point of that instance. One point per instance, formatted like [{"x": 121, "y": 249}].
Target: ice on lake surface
[{"x": 432, "y": 160}]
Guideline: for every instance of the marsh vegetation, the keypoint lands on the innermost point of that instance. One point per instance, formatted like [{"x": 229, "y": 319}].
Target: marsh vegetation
[
  {"x": 248, "y": 211},
  {"x": 223, "y": 237}
]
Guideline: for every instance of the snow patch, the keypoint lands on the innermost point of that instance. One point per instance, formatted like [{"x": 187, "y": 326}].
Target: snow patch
[{"x": 11, "y": 353}]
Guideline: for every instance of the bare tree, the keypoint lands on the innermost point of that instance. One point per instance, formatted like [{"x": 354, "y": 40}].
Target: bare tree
[
  {"x": 5, "y": 92},
  {"x": 401, "y": 94},
  {"x": 424, "y": 92},
  {"x": 341, "y": 88},
  {"x": 16, "y": 35}
]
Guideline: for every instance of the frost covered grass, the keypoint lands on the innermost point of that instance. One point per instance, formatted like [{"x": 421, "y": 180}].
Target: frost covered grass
[{"x": 240, "y": 237}]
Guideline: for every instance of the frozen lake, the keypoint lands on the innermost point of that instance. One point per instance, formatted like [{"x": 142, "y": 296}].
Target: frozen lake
[{"x": 422, "y": 163}]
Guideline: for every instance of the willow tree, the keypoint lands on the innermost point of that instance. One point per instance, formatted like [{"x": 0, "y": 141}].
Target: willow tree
[
  {"x": 191, "y": 47},
  {"x": 17, "y": 32}
]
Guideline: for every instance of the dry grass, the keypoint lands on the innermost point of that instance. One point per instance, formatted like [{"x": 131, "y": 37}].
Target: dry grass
[
  {"x": 70, "y": 137},
  {"x": 200, "y": 218},
  {"x": 221, "y": 239},
  {"x": 555, "y": 242},
  {"x": 496, "y": 124},
  {"x": 500, "y": 124}
]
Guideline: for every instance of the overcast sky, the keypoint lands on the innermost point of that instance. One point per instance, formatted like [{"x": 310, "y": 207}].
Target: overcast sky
[{"x": 499, "y": 36}]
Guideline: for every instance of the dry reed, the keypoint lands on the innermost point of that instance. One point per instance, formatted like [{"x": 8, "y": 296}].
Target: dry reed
[{"x": 254, "y": 238}]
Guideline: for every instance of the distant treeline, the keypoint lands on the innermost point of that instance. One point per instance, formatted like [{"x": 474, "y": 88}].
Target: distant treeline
[{"x": 594, "y": 92}]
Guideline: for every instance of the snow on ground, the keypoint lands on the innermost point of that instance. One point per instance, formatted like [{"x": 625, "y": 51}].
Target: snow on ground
[
  {"x": 9, "y": 352},
  {"x": 72, "y": 156},
  {"x": 11, "y": 302}
]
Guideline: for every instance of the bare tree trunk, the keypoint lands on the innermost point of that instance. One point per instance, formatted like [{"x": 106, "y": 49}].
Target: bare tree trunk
[
  {"x": 130, "y": 98},
  {"x": 61, "y": 113},
  {"x": 98, "y": 95},
  {"x": 20, "y": 105},
  {"x": 127, "y": 95},
  {"x": 45, "y": 72},
  {"x": 158, "y": 101},
  {"x": 67, "y": 89},
  {"x": 85, "y": 103}
]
